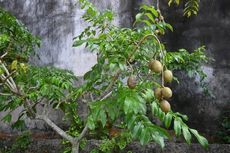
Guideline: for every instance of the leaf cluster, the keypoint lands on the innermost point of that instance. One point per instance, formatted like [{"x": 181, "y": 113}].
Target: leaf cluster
[
  {"x": 123, "y": 52},
  {"x": 191, "y": 7},
  {"x": 15, "y": 38}
]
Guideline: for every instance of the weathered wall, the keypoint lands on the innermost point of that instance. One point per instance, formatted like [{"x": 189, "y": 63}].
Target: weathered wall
[
  {"x": 58, "y": 21},
  {"x": 210, "y": 28}
]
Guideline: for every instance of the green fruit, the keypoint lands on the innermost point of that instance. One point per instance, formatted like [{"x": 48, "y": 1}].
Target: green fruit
[
  {"x": 131, "y": 82},
  {"x": 165, "y": 106},
  {"x": 168, "y": 76},
  {"x": 155, "y": 66},
  {"x": 166, "y": 92},
  {"x": 157, "y": 93}
]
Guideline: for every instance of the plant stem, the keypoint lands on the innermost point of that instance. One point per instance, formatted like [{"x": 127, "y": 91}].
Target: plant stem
[{"x": 56, "y": 128}]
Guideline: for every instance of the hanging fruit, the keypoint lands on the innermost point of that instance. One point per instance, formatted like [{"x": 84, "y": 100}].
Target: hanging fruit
[
  {"x": 132, "y": 82},
  {"x": 158, "y": 93},
  {"x": 155, "y": 66},
  {"x": 165, "y": 106},
  {"x": 168, "y": 76},
  {"x": 166, "y": 92}
]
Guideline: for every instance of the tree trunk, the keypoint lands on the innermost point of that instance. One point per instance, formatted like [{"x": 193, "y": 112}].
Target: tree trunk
[{"x": 75, "y": 147}]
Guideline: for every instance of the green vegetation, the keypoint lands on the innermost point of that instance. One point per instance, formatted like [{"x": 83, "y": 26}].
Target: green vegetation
[{"x": 118, "y": 113}]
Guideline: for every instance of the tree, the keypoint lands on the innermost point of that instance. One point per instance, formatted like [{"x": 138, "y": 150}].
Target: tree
[{"x": 118, "y": 112}]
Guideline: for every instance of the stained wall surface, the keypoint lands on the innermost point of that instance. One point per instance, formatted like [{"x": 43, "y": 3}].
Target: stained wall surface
[{"x": 58, "y": 21}]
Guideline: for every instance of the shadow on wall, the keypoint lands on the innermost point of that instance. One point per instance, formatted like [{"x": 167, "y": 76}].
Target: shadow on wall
[{"x": 209, "y": 28}]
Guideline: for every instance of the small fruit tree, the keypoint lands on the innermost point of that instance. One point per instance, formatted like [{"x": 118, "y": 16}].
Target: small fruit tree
[{"x": 125, "y": 92}]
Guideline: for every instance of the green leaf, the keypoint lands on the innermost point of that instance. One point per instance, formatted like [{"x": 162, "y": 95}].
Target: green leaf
[
  {"x": 186, "y": 134},
  {"x": 148, "y": 94},
  {"x": 19, "y": 124},
  {"x": 202, "y": 140},
  {"x": 150, "y": 17},
  {"x": 177, "y": 127},
  {"x": 158, "y": 139},
  {"x": 145, "y": 136},
  {"x": 90, "y": 123},
  {"x": 155, "y": 108},
  {"x": 147, "y": 22},
  {"x": 168, "y": 120},
  {"x": 128, "y": 107},
  {"x": 162, "y": 132},
  {"x": 137, "y": 130},
  {"x": 170, "y": 2},
  {"x": 138, "y": 16},
  {"x": 103, "y": 118},
  {"x": 151, "y": 9},
  {"x": 131, "y": 120},
  {"x": 7, "y": 118},
  {"x": 177, "y": 2},
  {"x": 169, "y": 26},
  {"x": 185, "y": 117},
  {"x": 78, "y": 43}
]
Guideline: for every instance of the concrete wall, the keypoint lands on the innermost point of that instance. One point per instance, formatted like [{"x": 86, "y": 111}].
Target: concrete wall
[
  {"x": 58, "y": 21},
  {"x": 210, "y": 28}
]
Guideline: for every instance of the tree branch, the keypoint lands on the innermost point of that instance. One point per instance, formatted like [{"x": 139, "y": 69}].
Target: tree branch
[
  {"x": 82, "y": 133},
  {"x": 56, "y": 128},
  {"x": 5, "y": 94},
  {"x": 109, "y": 87}
]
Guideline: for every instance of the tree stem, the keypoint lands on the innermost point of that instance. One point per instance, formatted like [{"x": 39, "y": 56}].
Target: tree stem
[
  {"x": 56, "y": 128},
  {"x": 75, "y": 147}
]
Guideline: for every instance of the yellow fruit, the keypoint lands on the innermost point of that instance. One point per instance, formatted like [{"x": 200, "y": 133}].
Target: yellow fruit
[
  {"x": 158, "y": 93},
  {"x": 155, "y": 66},
  {"x": 131, "y": 82},
  {"x": 168, "y": 76},
  {"x": 165, "y": 106},
  {"x": 166, "y": 92}
]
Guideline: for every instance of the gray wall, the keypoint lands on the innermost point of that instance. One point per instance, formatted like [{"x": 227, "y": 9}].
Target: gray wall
[
  {"x": 210, "y": 28},
  {"x": 58, "y": 21}
]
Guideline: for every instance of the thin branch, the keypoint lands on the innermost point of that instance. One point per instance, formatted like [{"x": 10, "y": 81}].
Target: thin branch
[
  {"x": 3, "y": 55},
  {"x": 159, "y": 11},
  {"x": 6, "y": 82},
  {"x": 5, "y": 94},
  {"x": 8, "y": 76},
  {"x": 109, "y": 87},
  {"x": 32, "y": 88},
  {"x": 56, "y": 128},
  {"x": 84, "y": 131},
  {"x": 106, "y": 96},
  {"x": 8, "y": 73},
  {"x": 91, "y": 97},
  {"x": 158, "y": 5}
]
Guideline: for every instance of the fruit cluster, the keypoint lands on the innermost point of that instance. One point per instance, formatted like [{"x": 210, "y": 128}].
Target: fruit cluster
[{"x": 162, "y": 93}]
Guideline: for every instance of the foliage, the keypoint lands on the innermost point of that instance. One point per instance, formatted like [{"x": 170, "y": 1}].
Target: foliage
[
  {"x": 37, "y": 85},
  {"x": 15, "y": 38},
  {"x": 191, "y": 7},
  {"x": 20, "y": 145},
  {"x": 224, "y": 133},
  {"x": 122, "y": 52}
]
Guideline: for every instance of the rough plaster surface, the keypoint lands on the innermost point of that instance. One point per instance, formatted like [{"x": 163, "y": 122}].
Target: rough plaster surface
[
  {"x": 57, "y": 21},
  {"x": 209, "y": 28}
]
